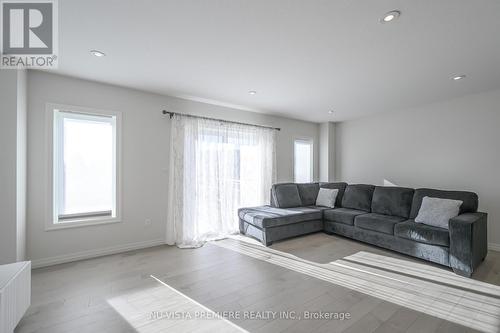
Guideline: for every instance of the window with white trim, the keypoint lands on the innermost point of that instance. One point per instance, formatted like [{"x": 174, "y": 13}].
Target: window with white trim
[
  {"x": 84, "y": 164},
  {"x": 303, "y": 161}
]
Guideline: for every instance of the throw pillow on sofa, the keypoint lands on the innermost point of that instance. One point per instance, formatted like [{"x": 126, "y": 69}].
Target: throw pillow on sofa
[
  {"x": 326, "y": 197},
  {"x": 437, "y": 212}
]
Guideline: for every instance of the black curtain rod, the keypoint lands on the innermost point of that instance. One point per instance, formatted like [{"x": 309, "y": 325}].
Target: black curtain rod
[{"x": 171, "y": 114}]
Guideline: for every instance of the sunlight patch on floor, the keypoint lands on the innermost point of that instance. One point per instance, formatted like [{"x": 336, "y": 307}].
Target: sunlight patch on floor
[
  {"x": 424, "y": 288},
  {"x": 165, "y": 309}
]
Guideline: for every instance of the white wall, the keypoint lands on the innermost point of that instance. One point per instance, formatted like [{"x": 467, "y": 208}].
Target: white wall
[
  {"x": 8, "y": 119},
  {"x": 450, "y": 145},
  {"x": 327, "y": 151},
  {"x": 21, "y": 164},
  {"x": 13, "y": 165},
  {"x": 145, "y": 141}
]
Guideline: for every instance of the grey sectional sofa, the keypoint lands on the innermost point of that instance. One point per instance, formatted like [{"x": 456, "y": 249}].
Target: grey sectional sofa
[{"x": 382, "y": 216}]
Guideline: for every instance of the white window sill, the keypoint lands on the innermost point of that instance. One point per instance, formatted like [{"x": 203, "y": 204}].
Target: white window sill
[{"x": 79, "y": 223}]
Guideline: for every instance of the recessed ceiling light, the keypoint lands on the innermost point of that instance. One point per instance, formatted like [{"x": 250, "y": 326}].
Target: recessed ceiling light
[
  {"x": 390, "y": 16},
  {"x": 252, "y": 92},
  {"x": 97, "y": 53},
  {"x": 458, "y": 77}
]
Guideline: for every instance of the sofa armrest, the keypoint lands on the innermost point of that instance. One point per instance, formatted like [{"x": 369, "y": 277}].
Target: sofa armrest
[
  {"x": 272, "y": 200},
  {"x": 468, "y": 242}
]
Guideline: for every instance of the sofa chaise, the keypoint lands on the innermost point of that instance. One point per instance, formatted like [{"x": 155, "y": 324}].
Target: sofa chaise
[{"x": 382, "y": 216}]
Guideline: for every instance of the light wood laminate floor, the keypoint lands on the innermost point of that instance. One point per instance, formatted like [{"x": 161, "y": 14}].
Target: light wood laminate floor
[{"x": 230, "y": 286}]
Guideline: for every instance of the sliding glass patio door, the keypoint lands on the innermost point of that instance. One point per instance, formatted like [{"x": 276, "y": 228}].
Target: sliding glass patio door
[{"x": 218, "y": 167}]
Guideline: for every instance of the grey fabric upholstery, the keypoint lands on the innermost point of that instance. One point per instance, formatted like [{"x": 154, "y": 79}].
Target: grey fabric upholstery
[
  {"x": 392, "y": 201},
  {"x": 377, "y": 222},
  {"x": 422, "y": 233},
  {"x": 308, "y": 193},
  {"x": 339, "y": 229},
  {"x": 358, "y": 197},
  {"x": 254, "y": 232},
  {"x": 342, "y": 215},
  {"x": 320, "y": 208},
  {"x": 380, "y": 216},
  {"x": 468, "y": 242},
  {"x": 469, "y": 205},
  {"x": 437, "y": 211},
  {"x": 327, "y": 197},
  {"x": 292, "y": 230},
  {"x": 272, "y": 200},
  {"x": 267, "y": 216},
  {"x": 269, "y": 235},
  {"x": 286, "y": 195},
  {"x": 339, "y": 186},
  {"x": 434, "y": 253}
]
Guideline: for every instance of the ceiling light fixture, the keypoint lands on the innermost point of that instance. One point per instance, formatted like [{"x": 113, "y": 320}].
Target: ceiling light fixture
[
  {"x": 97, "y": 53},
  {"x": 330, "y": 112},
  {"x": 252, "y": 92},
  {"x": 390, "y": 16},
  {"x": 458, "y": 77}
]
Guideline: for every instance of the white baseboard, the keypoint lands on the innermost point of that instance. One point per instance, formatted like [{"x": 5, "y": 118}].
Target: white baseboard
[
  {"x": 494, "y": 246},
  {"x": 37, "y": 263}
]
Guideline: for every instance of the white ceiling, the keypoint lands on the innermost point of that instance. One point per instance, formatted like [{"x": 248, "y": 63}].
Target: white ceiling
[{"x": 303, "y": 57}]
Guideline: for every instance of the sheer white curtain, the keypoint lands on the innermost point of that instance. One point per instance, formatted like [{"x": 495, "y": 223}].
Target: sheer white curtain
[{"x": 215, "y": 168}]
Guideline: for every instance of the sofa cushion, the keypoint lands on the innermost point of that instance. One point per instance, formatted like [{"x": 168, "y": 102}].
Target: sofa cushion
[
  {"x": 394, "y": 201},
  {"x": 342, "y": 215},
  {"x": 308, "y": 193},
  {"x": 377, "y": 222},
  {"x": 327, "y": 197},
  {"x": 358, "y": 197},
  {"x": 422, "y": 233},
  {"x": 286, "y": 195},
  {"x": 320, "y": 208},
  {"x": 339, "y": 186},
  {"x": 469, "y": 199},
  {"x": 267, "y": 216},
  {"x": 437, "y": 212}
]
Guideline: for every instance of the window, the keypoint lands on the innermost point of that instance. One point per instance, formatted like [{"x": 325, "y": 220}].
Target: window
[
  {"x": 218, "y": 167},
  {"x": 85, "y": 173},
  {"x": 303, "y": 161}
]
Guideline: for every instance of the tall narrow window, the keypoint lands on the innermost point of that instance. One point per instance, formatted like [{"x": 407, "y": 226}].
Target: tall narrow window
[
  {"x": 85, "y": 167},
  {"x": 303, "y": 161}
]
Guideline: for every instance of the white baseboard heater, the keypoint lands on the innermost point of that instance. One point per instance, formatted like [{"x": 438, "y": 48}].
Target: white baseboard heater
[{"x": 15, "y": 294}]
